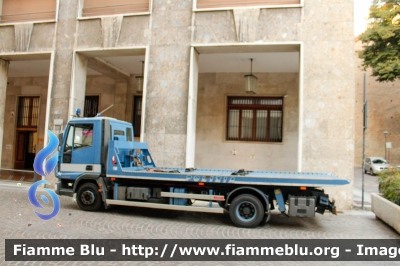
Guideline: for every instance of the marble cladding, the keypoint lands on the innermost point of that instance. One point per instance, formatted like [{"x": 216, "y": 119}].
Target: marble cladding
[
  {"x": 168, "y": 73},
  {"x": 27, "y": 37},
  {"x": 135, "y": 31},
  {"x": 111, "y": 27},
  {"x": 7, "y": 39},
  {"x": 23, "y": 34},
  {"x": 42, "y": 38},
  {"x": 64, "y": 46},
  {"x": 89, "y": 33},
  {"x": 324, "y": 29},
  {"x": 3, "y": 92}
]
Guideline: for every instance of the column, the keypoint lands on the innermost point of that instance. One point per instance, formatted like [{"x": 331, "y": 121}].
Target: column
[
  {"x": 78, "y": 90},
  {"x": 3, "y": 89}
]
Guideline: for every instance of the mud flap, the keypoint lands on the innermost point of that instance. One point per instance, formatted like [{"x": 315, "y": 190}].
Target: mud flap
[{"x": 325, "y": 204}]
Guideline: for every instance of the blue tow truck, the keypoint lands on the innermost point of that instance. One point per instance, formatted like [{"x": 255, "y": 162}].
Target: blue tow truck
[{"x": 102, "y": 165}]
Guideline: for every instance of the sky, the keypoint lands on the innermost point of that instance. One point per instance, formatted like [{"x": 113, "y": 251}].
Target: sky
[{"x": 361, "y": 10}]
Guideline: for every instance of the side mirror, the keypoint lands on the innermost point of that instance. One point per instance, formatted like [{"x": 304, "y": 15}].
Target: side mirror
[{"x": 60, "y": 138}]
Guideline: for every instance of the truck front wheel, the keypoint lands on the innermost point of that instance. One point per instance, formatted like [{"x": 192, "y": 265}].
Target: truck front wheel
[
  {"x": 246, "y": 211},
  {"x": 88, "y": 197}
]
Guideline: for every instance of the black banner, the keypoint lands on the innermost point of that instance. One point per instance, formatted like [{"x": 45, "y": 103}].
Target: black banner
[{"x": 202, "y": 250}]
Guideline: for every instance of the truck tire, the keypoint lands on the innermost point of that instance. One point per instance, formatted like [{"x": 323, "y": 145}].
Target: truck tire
[
  {"x": 88, "y": 197},
  {"x": 246, "y": 211}
]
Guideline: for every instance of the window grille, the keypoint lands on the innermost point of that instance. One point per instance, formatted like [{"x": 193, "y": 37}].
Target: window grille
[{"x": 91, "y": 106}]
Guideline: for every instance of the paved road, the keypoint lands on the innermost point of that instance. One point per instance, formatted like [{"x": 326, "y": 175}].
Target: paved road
[
  {"x": 18, "y": 221},
  {"x": 370, "y": 186}
]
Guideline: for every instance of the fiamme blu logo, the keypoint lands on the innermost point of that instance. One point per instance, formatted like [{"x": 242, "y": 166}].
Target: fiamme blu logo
[{"x": 43, "y": 166}]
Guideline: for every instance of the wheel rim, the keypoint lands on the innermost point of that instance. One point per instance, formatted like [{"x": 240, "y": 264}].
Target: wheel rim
[
  {"x": 87, "y": 197},
  {"x": 246, "y": 211}
]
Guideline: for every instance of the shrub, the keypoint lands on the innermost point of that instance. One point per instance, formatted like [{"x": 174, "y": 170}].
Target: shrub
[{"x": 389, "y": 185}]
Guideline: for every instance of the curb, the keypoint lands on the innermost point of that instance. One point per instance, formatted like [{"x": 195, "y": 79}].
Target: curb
[{"x": 356, "y": 206}]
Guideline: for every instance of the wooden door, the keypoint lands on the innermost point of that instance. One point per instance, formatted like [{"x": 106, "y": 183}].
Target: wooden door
[{"x": 26, "y": 134}]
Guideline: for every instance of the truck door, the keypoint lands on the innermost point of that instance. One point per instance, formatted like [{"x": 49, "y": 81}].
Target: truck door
[{"x": 81, "y": 150}]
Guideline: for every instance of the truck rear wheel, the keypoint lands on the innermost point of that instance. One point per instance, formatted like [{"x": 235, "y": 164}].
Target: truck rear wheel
[
  {"x": 88, "y": 197},
  {"x": 246, "y": 211}
]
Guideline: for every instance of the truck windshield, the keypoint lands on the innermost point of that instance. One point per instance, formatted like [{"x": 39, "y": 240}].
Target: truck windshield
[{"x": 79, "y": 136}]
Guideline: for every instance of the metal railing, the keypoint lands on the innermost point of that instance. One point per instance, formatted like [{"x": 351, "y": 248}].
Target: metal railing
[
  {"x": 116, "y": 9},
  {"x": 17, "y": 175},
  {"x": 25, "y": 17}
]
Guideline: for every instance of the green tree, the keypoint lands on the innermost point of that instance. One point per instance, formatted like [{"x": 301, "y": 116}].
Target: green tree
[{"x": 381, "y": 40}]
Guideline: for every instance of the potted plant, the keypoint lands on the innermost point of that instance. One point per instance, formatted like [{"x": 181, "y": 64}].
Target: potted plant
[{"x": 386, "y": 205}]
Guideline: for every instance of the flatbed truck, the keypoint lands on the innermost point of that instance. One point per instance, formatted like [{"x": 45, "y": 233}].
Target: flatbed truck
[{"x": 100, "y": 163}]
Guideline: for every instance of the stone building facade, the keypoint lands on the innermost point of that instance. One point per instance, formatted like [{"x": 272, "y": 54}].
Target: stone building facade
[
  {"x": 383, "y": 115},
  {"x": 195, "y": 55}
]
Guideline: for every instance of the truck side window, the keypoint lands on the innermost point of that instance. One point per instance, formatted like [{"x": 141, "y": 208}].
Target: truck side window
[
  {"x": 70, "y": 137},
  {"x": 119, "y": 134},
  {"x": 128, "y": 134}
]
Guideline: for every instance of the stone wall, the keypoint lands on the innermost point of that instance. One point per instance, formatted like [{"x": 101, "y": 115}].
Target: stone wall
[
  {"x": 383, "y": 115},
  {"x": 31, "y": 86},
  {"x": 213, "y": 151},
  {"x": 120, "y": 95}
]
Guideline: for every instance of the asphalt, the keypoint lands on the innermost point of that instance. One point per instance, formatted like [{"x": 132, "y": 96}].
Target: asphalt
[{"x": 363, "y": 187}]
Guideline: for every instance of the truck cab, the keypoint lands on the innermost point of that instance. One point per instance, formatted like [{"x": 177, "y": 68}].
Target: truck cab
[{"x": 84, "y": 146}]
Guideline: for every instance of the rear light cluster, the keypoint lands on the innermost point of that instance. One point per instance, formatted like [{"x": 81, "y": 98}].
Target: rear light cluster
[{"x": 114, "y": 160}]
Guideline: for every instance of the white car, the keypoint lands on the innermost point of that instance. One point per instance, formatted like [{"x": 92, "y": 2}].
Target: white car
[{"x": 375, "y": 165}]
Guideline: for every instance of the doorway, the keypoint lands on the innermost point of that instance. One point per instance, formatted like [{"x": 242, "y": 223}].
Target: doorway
[
  {"x": 26, "y": 133},
  {"x": 25, "y": 150},
  {"x": 137, "y": 115}
]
